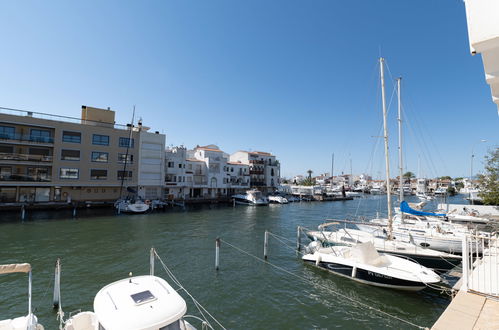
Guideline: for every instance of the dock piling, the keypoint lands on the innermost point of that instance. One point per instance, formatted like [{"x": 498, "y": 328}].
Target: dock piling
[
  {"x": 217, "y": 253},
  {"x": 57, "y": 284},
  {"x": 266, "y": 245},
  {"x": 298, "y": 238},
  {"x": 23, "y": 212},
  {"x": 74, "y": 210}
]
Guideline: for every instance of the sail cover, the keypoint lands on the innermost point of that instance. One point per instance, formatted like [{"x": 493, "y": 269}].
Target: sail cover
[{"x": 404, "y": 207}]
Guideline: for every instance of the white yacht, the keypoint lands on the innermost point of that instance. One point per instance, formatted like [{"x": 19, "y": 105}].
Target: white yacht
[
  {"x": 28, "y": 322},
  {"x": 437, "y": 260},
  {"x": 424, "y": 197},
  {"x": 440, "y": 191},
  {"x": 252, "y": 197},
  {"x": 132, "y": 206},
  {"x": 362, "y": 263},
  {"x": 144, "y": 302},
  {"x": 277, "y": 199},
  {"x": 136, "y": 303}
]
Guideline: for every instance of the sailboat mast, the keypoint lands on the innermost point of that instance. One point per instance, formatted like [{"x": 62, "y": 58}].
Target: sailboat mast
[
  {"x": 127, "y": 150},
  {"x": 385, "y": 136},
  {"x": 401, "y": 167},
  {"x": 332, "y": 170}
]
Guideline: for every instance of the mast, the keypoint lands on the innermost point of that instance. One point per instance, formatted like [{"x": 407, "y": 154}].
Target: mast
[
  {"x": 127, "y": 149},
  {"x": 332, "y": 170},
  {"x": 385, "y": 136},
  {"x": 401, "y": 167}
]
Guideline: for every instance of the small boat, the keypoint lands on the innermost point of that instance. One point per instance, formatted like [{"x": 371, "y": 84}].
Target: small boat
[
  {"x": 252, "y": 197},
  {"x": 424, "y": 197},
  {"x": 28, "y": 322},
  {"x": 437, "y": 260},
  {"x": 145, "y": 302},
  {"x": 132, "y": 206},
  {"x": 277, "y": 199},
  {"x": 440, "y": 191},
  {"x": 362, "y": 263}
]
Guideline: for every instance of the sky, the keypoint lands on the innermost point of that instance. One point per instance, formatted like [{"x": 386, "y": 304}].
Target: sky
[{"x": 299, "y": 79}]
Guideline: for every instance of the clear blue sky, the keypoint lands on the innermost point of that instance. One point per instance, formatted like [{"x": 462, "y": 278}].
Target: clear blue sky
[{"x": 297, "y": 78}]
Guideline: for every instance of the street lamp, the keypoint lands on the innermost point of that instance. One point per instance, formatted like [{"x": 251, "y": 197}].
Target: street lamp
[{"x": 471, "y": 168}]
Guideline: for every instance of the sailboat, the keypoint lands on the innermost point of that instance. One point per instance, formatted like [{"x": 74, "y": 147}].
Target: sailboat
[
  {"x": 130, "y": 205},
  {"x": 360, "y": 260},
  {"x": 28, "y": 322}
]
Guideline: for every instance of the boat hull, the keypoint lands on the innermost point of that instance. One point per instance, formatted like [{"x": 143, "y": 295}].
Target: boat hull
[{"x": 368, "y": 277}]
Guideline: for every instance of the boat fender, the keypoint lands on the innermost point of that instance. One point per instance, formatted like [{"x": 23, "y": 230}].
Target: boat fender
[
  {"x": 354, "y": 271},
  {"x": 318, "y": 259},
  {"x": 148, "y": 202}
]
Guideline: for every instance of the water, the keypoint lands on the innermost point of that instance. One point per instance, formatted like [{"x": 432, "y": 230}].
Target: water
[{"x": 244, "y": 294}]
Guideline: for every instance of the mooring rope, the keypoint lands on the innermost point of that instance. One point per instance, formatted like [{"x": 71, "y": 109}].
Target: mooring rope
[
  {"x": 196, "y": 303},
  {"x": 325, "y": 287}
]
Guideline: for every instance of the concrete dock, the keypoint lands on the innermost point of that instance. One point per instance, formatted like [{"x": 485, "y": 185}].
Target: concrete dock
[{"x": 469, "y": 311}]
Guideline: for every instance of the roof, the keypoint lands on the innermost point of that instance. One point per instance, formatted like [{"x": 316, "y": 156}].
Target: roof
[
  {"x": 209, "y": 149},
  {"x": 194, "y": 160},
  {"x": 236, "y": 163},
  {"x": 257, "y": 152}
]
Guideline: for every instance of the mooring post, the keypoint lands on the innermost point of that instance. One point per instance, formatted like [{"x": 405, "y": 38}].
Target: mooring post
[
  {"x": 23, "y": 212},
  {"x": 151, "y": 261},
  {"x": 57, "y": 283},
  {"x": 266, "y": 245},
  {"x": 298, "y": 238},
  {"x": 74, "y": 210},
  {"x": 217, "y": 253},
  {"x": 233, "y": 202}
]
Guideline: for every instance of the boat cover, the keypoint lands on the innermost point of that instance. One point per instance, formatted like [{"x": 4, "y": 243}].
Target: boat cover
[
  {"x": 404, "y": 207},
  {"x": 15, "y": 268}
]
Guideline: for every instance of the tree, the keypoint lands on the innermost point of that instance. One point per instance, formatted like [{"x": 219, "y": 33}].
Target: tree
[
  {"x": 309, "y": 174},
  {"x": 489, "y": 181},
  {"x": 308, "y": 182},
  {"x": 409, "y": 175},
  {"x": 446, "y": 177}
]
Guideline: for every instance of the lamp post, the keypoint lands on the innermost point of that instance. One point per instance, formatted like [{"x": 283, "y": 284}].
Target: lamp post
[{"x": 471, "y": 168}]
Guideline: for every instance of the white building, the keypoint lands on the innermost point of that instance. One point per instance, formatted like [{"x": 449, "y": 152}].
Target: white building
[
  {"x": 264, "y": 169},
  {"x": 151, "y": 163}
]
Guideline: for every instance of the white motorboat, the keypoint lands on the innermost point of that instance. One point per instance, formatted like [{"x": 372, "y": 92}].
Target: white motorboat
[
  {"x": 440, "y": 191},
  {"x": 362, "y": 263},
  {"x": 353, "y": 194},
  {"x": 376, "y": 191},
  {"x": 28, "y": 322},
  {"x": 144, "y": 302},
  {"x": 466, "y": 216},
  {"x": 132, "y": 206},
  {"x": 252, "y": 197},
  {"x": 277, "y": 199},
  {"x": 424, "y": 197},
  {"x": 437, "y": 260}
]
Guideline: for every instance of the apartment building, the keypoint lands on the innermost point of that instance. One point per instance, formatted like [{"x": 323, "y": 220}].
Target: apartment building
[
  {"x": 54, "y": 158},
  {"x": 203, "y": 172},
  {"x": 264, "y": 169}
]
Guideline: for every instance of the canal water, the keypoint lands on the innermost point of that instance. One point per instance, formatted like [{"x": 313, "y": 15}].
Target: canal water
[{"x": 244, "y": 294}]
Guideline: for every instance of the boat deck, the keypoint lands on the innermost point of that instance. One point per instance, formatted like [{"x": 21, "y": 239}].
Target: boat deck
[{"x": 469, "y": 311}]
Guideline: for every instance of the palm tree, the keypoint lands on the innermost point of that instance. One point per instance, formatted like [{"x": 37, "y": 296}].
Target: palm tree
[{"x": 309, "y": 174}]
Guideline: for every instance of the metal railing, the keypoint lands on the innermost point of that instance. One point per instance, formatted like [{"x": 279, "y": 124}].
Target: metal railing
[
  {"x": 481, "y": 264},
  {"x": 23, "y": 177},
  {"x": 26, "y": 138},
  {"x": 25, "y": 157}
]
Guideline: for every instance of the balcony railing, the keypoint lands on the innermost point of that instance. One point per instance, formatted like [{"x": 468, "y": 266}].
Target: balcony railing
[
  {"x": 256, "y": 172},
  {"x": 255, "y": 161},
  {"x": 25, "y": 157},
  {"x": 257, "y": 183},
  {"x": 26, "y": 138},
  {"x": 24, "y": 177}
]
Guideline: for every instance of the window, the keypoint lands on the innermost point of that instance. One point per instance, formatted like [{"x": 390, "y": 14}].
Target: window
[
  {"x": 126, "y": 142},
  {"x": 101, "y": 140},
  {"x": 171, "y": 164},
  {"x": 179, "y": 165},
  {"x": 39, "y": 135},
  {"x": 6, "y": 149},
  {"x": 98, "y": 174},
  {"x": 70, "y": 154},
  {"x": 124, "y": 175},
  {"x": 69, "y": 173},
  {"x": 124, "y": 157},
  {"x": 71, "y": 137},
  {"x": 100, "y": 157},
  {"x": 7, "y": 132}
]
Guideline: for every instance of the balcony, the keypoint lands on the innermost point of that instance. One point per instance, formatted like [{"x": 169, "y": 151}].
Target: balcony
[
  {"x": 25, "y": 157},
  {"x": 26, "y": 138},
  {"x": 256, "y": 161},
  {"x": 256, "y": 172},
  {"x": 257, "y": 183},
  {"x": 26, "y": 178}
]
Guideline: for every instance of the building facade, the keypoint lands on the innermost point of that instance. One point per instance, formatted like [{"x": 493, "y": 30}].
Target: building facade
[
  {"x": 53, "y": 158},
  {"x": 264, "y": 169}
]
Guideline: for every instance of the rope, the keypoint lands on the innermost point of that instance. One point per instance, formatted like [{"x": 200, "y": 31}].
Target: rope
[
  {"x": 325, "y": 287},
  {"x": 196, "y": 303},
  {"x": 284, "y": 243}
]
